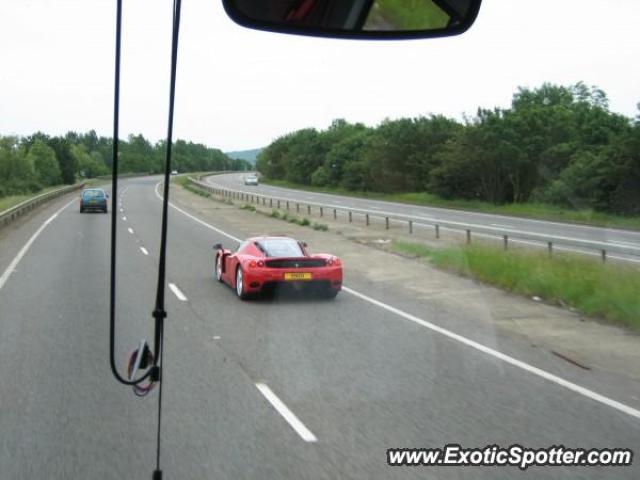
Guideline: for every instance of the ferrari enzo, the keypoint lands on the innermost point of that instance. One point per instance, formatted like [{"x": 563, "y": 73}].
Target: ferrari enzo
[{"x": 263, "y": 264}]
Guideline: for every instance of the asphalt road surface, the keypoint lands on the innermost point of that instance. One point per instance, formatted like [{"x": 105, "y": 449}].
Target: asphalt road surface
[
  {"x": 617, "y": 237},
  {"x": 269, "y": 389}
]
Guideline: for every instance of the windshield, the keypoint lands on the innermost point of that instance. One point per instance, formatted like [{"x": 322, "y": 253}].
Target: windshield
[
  {"x": 280, "y": 247},
  {"x": 401, "y": 260},
  {"x": 87, "y": 194}
]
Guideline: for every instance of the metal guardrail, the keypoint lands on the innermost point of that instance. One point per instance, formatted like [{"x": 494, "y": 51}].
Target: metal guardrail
[
  {"x": 10, "y": 214},
  {"x": 504, "y": 234},
  {"x": 219, "y": 172}
]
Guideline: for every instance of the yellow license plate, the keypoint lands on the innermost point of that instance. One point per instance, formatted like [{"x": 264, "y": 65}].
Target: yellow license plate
[{"x": 298, "y": 276}]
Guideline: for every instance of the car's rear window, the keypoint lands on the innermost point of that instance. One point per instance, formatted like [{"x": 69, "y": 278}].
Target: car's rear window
[
  {"x": 92, "y": 194},
  {"x": 280, "y": 247}
]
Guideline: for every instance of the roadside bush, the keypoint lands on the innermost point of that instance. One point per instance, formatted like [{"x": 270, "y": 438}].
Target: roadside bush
[
  {"x": 197, "y": 191},
  {"x": 320, "y": 226}
]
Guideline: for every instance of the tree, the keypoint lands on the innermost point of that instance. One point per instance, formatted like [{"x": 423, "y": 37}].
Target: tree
[
  {"x": 90, "y": 165},
  {"x": 624, "y": 160},
  {"x": 347, "y": 151},
  {"x": 17, "y": 173},
  {"x": 66, "y": 161},
  {"x": 45, "y": 163}
]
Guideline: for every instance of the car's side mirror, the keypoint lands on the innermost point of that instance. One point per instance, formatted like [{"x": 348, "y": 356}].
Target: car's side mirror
[
  {"x": 217, "y": 246},
  {"x": 365, "y": 19}
]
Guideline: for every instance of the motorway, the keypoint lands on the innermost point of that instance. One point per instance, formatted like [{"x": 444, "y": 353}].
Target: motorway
[
  {"x": 517, "y": 225},
  {"x": 268, "y": 389}
]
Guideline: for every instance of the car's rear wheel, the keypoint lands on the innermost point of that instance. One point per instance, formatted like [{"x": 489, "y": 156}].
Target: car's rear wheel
[
  {"x": 330, "y": 293},
  {"x": 240, "y": 291},
  {"x": 219, "y": 268}
]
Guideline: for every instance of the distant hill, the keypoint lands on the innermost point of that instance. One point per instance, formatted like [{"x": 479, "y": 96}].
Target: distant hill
[{"x": 248, "y": 155}]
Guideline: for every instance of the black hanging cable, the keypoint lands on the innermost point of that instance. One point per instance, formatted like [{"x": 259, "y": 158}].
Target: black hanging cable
[{"x": 159, "y": 312}]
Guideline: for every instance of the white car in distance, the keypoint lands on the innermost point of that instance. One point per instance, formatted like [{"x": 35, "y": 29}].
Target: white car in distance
[{"x": 251, "y": 180}]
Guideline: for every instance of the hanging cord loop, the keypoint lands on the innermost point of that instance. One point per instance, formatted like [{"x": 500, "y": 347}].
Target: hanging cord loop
[{"x": 114, "y": 214}]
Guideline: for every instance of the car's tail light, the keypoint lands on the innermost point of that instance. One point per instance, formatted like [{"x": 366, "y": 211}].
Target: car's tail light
[
  {"x": 336, "y": 261},
  {"x": 252, "y": 264}
]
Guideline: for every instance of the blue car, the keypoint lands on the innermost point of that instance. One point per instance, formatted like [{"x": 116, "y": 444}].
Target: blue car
[{"x": 93, "y": 199}]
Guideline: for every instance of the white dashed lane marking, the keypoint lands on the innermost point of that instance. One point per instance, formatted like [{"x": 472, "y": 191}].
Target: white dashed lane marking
[{"x": 181, "y": 296}]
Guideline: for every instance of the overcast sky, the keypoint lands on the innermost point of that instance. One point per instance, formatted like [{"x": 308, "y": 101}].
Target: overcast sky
[{"x": 240, "y": 89}]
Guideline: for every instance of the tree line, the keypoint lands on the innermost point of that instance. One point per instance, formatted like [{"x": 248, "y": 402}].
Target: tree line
[
  {"x": 554, "y": 144},
  {"x": 27, "y": 164}
]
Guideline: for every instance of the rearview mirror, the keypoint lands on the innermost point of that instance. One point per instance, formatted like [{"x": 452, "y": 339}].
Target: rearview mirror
[
  {"x": 217, "y": 246},
  {"x": 365, "y": 19}
]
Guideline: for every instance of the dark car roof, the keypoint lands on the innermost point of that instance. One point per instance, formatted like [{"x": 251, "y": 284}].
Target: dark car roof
[{"x": 277, "y": 250}]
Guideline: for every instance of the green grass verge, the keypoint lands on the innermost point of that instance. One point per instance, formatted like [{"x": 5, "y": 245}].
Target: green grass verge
[
  {"x": 197, "y": 191},
  {"x": 181, "y": 180},
  {"x": 539, "y": 211},
  {"x": 13, "y": 200},
  {"x": 607, "y": 291},
  {"x": 184, "y": 182},
  {"x": 95, "y": 182}
]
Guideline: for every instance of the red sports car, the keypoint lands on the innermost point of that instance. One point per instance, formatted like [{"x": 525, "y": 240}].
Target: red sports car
[{"x": 265, "y": 263}]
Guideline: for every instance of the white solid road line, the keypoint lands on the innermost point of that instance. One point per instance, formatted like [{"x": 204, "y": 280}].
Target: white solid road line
[
  {"x": 130, "y": 230},
  {"x": 14, "y": 263},
  {"x": 287, "y": 414},
  {"x": 196, "y": 219},
  {"x": 466, "y": 341},
  {"x": 625, "y": 244},
  {"x": 181, "y": 296},
  {"x": 144, "y": 250}
]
